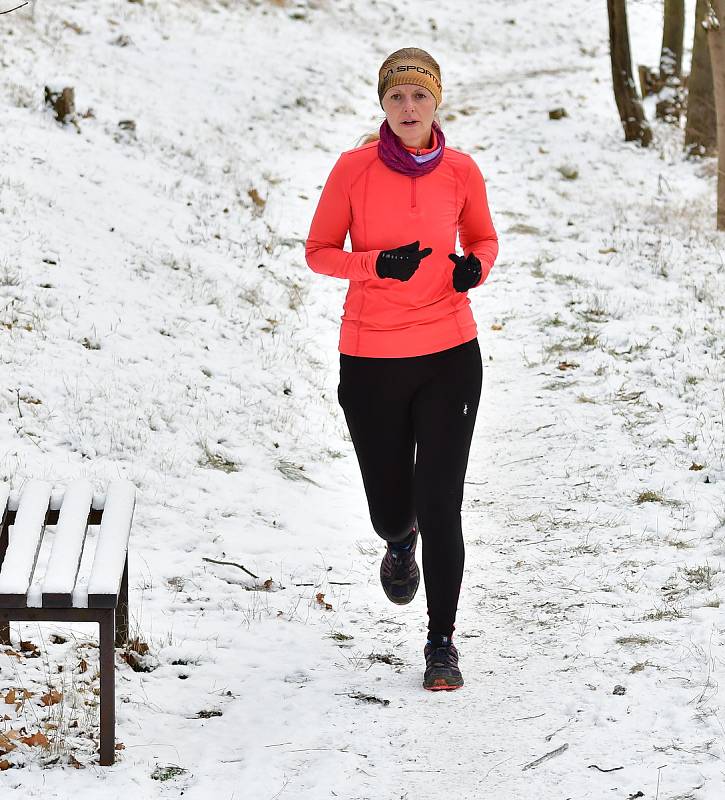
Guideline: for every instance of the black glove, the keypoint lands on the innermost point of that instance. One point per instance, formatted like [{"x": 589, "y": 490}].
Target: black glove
[
  {"x": 466, "y": 273},
  {"x": 401, "y": 262}
]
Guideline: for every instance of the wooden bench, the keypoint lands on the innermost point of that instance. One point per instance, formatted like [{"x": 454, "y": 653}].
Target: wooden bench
[{"x": 60, "y": 597}]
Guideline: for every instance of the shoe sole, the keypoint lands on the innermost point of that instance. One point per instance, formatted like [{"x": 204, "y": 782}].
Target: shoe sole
[
  {"x": 400, "y": 601},
  {"x": 441, "y": 685}
]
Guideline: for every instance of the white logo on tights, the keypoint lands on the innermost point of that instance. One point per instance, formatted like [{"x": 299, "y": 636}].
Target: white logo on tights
[{"x": 465, "y": 409}]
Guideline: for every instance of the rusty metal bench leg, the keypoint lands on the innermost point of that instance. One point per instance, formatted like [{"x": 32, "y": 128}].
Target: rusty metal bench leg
[
  {"x": 122, "y": 610},
  {"x": 108, "y": 687},
  {"x": 4, "y": 633}
]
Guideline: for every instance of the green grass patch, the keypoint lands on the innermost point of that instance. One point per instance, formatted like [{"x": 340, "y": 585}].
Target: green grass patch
[
  {"x": 340, "y": 637},
  {"x": 554, "y": 321}
]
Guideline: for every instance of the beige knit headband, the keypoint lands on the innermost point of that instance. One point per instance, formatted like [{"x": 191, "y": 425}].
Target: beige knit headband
[{"x": 409, "y": 70}]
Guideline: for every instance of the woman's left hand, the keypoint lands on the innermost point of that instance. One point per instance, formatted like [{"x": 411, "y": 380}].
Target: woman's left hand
[{"x": 466, "y": 273}]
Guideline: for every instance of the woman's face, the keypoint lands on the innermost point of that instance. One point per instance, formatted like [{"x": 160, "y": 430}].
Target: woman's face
[{"x": 410, "y": 102}]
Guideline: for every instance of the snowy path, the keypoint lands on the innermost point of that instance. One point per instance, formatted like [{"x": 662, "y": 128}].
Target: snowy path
[{"x": 200, "y": 361}]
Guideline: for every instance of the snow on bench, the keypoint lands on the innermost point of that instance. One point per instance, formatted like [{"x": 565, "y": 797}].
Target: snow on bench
[
  {"x": 70, "y": 534},
  {"x": 24, "y": 543},
  {"x": 65, "y": 596},
  {"x": 110, "y": 557},
  {"x": 73, "y": 509}
]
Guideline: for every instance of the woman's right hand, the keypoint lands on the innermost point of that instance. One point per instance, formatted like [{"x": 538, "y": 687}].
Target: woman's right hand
[{"x": 401, "y": 262}]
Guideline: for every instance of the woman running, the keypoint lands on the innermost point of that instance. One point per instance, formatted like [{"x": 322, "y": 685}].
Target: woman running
[{"x": 410, "y": 364}]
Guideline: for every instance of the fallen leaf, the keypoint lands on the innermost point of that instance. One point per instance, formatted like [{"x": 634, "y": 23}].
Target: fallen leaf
[
  {"x": 36, "y": 739},
  {"x": 256, "y": 199},
  {"x": 137, "y": 646},
  {"x": 697, "y": 466},
  {"x": 567, "y": 365},
  {"x": 10, "y": 652},
  {"x": 10, "y": 697},
  {"x": 28, "y": 647},
  {"x": 268, "y": 583},
  {"x": 83, "y": 665},
  {"x": 136, "y": 662},
  {"x": 321, "y": 600},
  {"x": 120, "y": 746},
  {"x": 4, "y": 765},
  {"x": 51, "y": 698},
  {"x": 496, "y": 327},
  {"x": 5, "y": 744}
]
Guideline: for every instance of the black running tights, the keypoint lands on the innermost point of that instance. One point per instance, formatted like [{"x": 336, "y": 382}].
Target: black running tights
[{"x": 411, "y": 422}]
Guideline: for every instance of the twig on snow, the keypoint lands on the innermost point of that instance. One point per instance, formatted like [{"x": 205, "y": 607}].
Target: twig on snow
[
  {"x": 13, "y": 9},
  {"x": 335, "y": 583},
  {"x": 519, "y": 460},
  {"x": 230, "y": 564},
  {"x": 547, "y": 756},
  {"x": 331, "y": 749},
  {"x": 540, "y": 428}
]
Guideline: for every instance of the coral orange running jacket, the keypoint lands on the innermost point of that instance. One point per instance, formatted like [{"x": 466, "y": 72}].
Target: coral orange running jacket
[{"x": 382, "y": 209}]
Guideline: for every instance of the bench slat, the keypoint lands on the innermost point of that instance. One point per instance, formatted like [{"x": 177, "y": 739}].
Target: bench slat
[
  {"x": 70, "y": 533},
  {"x": 24, "y": 544},
  {"x": 110, "y": 556}
]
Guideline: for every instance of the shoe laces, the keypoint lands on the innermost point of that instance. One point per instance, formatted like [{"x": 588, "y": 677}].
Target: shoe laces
[
  {"x": 400, "y": 563},
  {"x": 445, "y": 655}
]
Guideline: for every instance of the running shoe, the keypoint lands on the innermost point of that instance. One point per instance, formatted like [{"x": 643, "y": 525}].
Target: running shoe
[
  {"x": 442, "y": 671},
  {"x": 399, "y": 573}
]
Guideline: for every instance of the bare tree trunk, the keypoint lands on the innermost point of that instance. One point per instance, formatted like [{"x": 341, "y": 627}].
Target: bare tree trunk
[
  {"x": 669, "y": 105},
  {"x": 672, "y": 37},
  {"x": 625, "y": 92},
  {"x": 701, "y": 130},
  {"x": 715, "y": 25}
]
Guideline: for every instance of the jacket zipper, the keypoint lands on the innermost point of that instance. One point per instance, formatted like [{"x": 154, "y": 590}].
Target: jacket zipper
[{"x": 412, "y": 184}]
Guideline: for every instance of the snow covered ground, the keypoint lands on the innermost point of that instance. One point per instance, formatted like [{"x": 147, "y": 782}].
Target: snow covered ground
[{"x": 158, "y": 322}]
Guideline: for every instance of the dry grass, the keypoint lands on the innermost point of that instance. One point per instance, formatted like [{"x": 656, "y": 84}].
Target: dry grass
[{"x": 637, "y": 641}]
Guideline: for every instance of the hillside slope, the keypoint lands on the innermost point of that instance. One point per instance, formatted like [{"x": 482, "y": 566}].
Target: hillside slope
[{"x": 159, "y": 322}]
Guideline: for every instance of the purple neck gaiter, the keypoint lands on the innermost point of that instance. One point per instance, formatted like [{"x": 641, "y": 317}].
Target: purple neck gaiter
[{"x": 393, "y": 154}]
